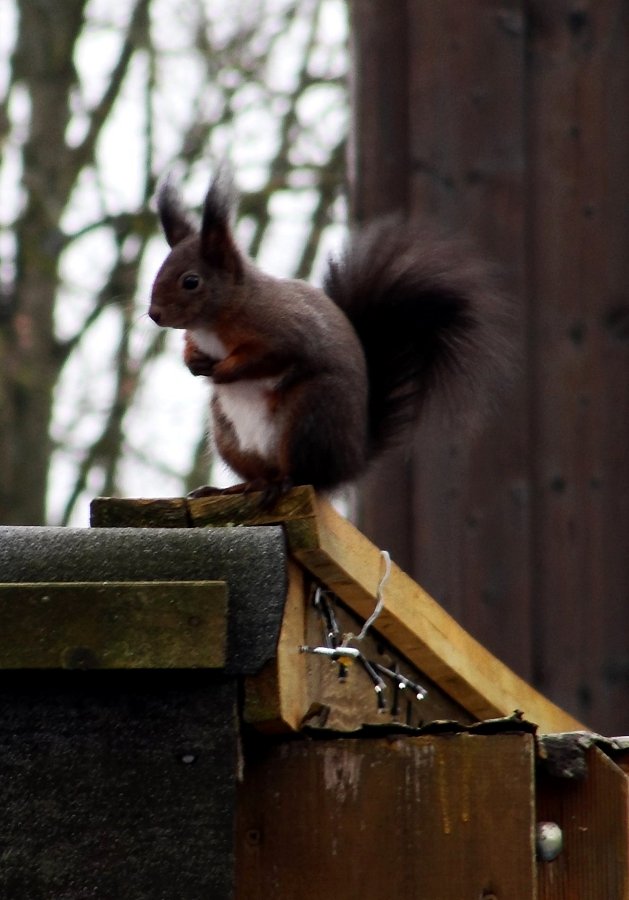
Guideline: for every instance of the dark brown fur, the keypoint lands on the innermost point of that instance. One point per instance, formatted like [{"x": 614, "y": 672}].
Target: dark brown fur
[{"x": 335, "y": 375}]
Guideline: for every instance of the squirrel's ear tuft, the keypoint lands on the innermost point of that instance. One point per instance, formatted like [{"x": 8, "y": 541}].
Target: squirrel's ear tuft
[
  {"x": 218, "y": 247},
  {"x": 175, "y": 222}
]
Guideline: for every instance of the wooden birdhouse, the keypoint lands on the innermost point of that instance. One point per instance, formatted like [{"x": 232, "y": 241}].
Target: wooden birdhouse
[{"x": 201, "y": 699}]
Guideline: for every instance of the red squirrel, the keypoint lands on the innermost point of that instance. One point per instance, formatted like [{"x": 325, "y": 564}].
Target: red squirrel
[{"x": 309, "y": 384}]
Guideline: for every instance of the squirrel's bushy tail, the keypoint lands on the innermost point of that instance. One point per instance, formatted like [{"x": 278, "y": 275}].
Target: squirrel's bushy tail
[{"x": 430, "y": 320}]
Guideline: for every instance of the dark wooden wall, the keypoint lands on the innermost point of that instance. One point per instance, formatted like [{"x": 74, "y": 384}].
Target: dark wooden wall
[{"x": 511, "y": 120}]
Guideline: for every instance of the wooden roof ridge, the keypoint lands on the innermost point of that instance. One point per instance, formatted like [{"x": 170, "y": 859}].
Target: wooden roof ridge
[{"x": 334, "y": 551}]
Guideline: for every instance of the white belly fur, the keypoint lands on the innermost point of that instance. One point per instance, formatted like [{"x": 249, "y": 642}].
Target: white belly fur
[
  {"x": 245, "y": 404},
  {"x": 207, "y": 341}
]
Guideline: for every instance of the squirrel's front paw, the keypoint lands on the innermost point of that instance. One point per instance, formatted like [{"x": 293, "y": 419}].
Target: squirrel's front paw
[
  {"x": 201, "y": 365},
  {"x": 197, "y": 361}
]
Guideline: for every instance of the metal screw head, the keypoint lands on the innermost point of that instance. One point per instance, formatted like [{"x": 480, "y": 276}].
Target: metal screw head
[{"x": 548, "y": 841}]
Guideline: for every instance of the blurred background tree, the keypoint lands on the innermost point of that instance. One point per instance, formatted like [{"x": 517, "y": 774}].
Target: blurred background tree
[{"x": 98, "y": 101}]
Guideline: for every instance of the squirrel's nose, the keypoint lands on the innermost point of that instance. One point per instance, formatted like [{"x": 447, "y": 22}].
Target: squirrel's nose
[{"x": 155, "y": 314}]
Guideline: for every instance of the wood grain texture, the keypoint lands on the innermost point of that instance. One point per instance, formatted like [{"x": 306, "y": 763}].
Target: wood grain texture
[
  {"x": 114, "y": 512},
  {"x": 468, "y": 487},
  {"x": 405, "y": 819},
  {"x": 517, "y": 133},
  {"x": 441, "y": 509},
  {"x": 347, "y": 703},
  {"x": 593, "y": 814},
  {"x": 579, "y": 362},
  {"x": 422, "y": 630},
  {"x": 278, "y": 698},
  {"x": 335, "y": 552}
]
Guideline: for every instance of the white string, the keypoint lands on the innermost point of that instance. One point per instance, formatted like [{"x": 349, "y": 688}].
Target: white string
[{"x": 379, "y": 602}]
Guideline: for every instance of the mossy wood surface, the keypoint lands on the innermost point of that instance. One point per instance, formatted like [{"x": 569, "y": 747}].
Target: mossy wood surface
[
  {"x": 139, "y": 625},
  {"x": 251, "y": 561}
]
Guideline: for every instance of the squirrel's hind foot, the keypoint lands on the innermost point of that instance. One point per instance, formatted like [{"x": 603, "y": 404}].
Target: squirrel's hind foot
[{"x": 271, "y": 490}]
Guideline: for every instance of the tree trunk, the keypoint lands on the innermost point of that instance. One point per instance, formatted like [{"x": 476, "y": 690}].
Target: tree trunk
[{"x": 43, "y": 67}]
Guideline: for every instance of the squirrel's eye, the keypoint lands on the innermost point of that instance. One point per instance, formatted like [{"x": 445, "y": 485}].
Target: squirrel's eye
[{"x": 190, "y": 281}]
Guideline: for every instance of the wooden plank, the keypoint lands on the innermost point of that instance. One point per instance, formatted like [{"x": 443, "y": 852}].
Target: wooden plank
[
  {"x": 245, "y": 509},
  {"x": 347, "y": 703},
  {"x": 114, "y": 512},
  {"x": 622, "y": 761},
  {"x": 470, "y": 507},
  {"x": 443, "y": 818},
  {"x": 593, "y": 814},
  {"x": 380, "y": 177},
  {"x": 579, "y": 271},
  {"x": 124, "y": 625},
  {"x": 380, "y": 184},
  {"x": 297, "y": 689},
  {"x": 335, "y": 552},
  {"x": 455, "y": 510},
  {"x": 380, "y": 111},
  {"x": 223, "y": 510},
  {"x": 278, "y": 698},
  {"x": 420, "y": 629}
]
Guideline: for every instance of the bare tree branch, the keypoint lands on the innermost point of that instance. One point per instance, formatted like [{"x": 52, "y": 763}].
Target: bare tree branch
[
  {"x": 105, "y": 452},
  {"x": 201, "y": 458},
  {"x": 280, "y": 166},
  {"x": 239, "y": 61},
  {"x": 329, "y": 182},
  {"x": 136, "y": 36}
]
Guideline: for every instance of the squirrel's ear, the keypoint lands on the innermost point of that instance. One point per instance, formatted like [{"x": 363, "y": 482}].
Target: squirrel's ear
[
  {"x": 218, "y": 247},
  {"x": 175, "y": 222}
]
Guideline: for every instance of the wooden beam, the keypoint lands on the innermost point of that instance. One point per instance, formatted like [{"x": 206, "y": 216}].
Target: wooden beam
[
  {"x": 296, "y": 689},
  {"x": 333, "y": 550},
  {"x": 593, "y": 814},
  {"x": 278, "y": 698},
  {"x": 434, "y": 817},
  {"x": 429, "y": 637},
  {"x": 125, "y": 625},
  {"x": 221, "y": 510},
  {"x": 112, "y": 512},
  {"x": 346, "y": 562}
]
